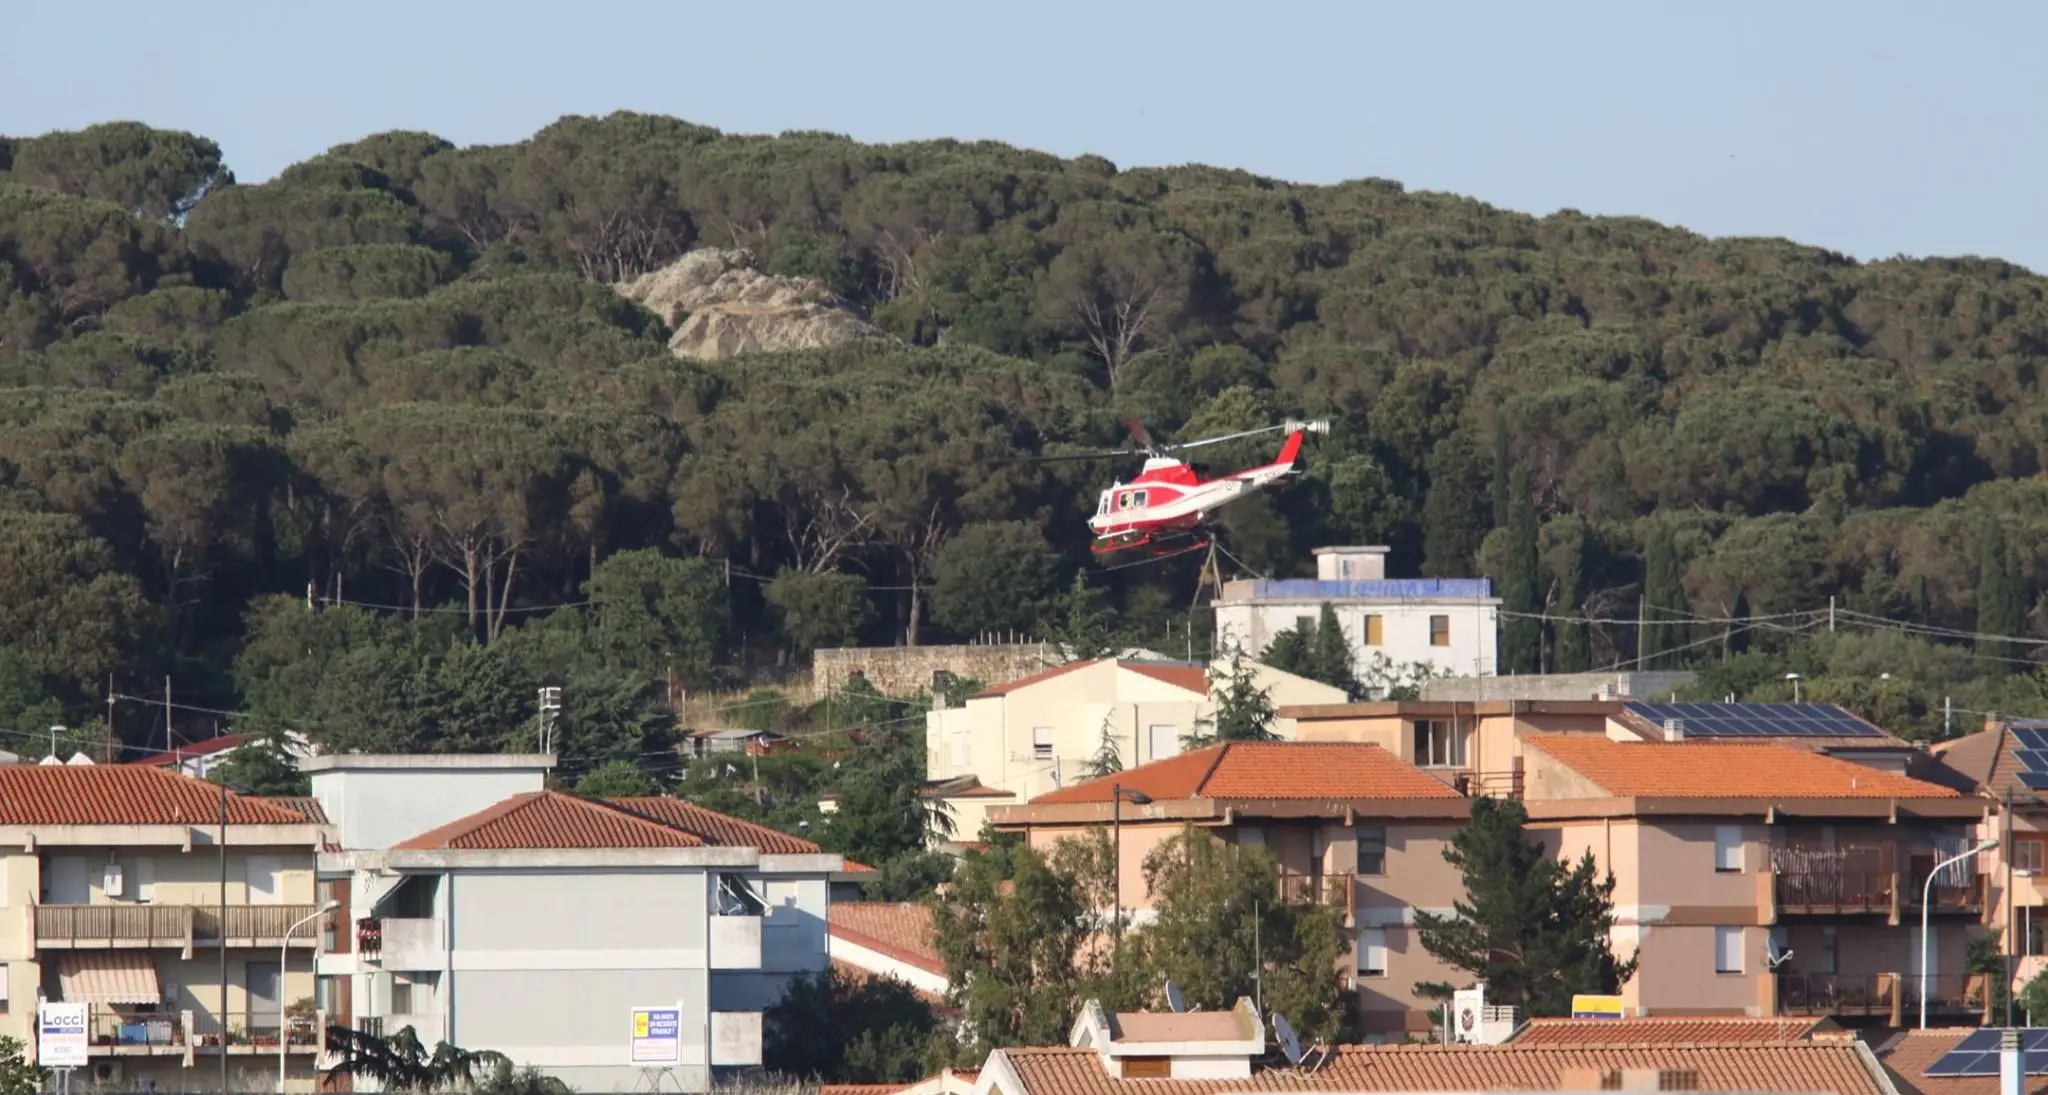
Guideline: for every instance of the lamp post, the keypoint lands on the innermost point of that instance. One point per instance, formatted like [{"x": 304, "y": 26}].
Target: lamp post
[
  {"x": 1926, "y": 899},
  {"x": 283, "y": 960},
  {"x": 1794, "y": 678},
  {"x": 220, "y": 924},
  {"x": 1117, "y": 794}
]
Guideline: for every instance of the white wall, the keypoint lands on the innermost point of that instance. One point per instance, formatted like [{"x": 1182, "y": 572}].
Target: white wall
[
  {"x": 376, "y": 801},
  {"x": 1404, "y": 629}
]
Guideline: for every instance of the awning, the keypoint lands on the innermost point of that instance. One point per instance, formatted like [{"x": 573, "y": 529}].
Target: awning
[{"x": 107, "y": 977}]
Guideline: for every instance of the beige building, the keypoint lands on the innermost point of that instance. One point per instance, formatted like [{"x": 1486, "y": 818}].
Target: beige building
[
  {"x": 1011, "y": 743},
  {"x": 2005, "y": 763},
  {"x": 1348, "y": 824},
  {"x": 1758, "y": 879},
  {"x": 111, "y": 894}
]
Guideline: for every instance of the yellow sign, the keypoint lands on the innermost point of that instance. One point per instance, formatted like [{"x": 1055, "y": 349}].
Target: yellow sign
[
  {"x": 639, "y": 1024},
  {"x": 1596, "y": 1007}
]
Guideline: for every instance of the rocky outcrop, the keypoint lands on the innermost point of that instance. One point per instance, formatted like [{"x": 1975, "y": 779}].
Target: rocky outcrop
[{"x": 720, "y": 304}]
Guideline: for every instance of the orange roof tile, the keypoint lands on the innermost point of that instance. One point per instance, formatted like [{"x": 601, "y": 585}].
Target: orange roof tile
[
  {"x": 1829, "y": 1067},
  {"x": 1008, "y": 687},
  {"x": 900, "y": 929},
  {"x": 124, "y": 794},
  {"x": 306, "y": 806},
  {"x": 1908, "y": 1053},
  {"x": 714, "y": 828},
  {"x": 1704, "y": 769},
  {"x": 550, "y": 819},
  {"x": 1267, "y": 770},
  {"x": 1656, "y": 1031}
]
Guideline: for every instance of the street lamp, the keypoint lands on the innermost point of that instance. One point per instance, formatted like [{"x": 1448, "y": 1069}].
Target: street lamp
[
  {"x": 1926, "y": 899},
  {"x": 1794, "y": 678},
  {"x": 283, "y": 961},
  {"x": 1117, "y": 794}
]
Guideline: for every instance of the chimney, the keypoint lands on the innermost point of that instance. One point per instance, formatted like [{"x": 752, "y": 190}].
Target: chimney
[
  {"x": 2012, "y": 1064},
  {"x": 1674, "y": 729}
]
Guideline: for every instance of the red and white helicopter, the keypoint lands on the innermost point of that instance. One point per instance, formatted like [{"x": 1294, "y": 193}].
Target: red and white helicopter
[{"x": 1169, "y": 501}]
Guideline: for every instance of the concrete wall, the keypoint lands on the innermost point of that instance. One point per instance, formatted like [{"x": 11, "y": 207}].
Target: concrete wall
[
  {"x": 907, "y": 670},
  {"x": 1557, "y": 686},
  {"x": 376, "y": 806},
  {"x": 1404, "y": 629}
]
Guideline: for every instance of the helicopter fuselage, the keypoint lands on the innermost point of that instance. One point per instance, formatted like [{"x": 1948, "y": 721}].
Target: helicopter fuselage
[{"x": 1168, "y": 499}]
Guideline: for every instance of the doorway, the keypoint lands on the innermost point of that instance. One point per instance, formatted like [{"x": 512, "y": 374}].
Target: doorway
[{"x": 265, "y": 992}]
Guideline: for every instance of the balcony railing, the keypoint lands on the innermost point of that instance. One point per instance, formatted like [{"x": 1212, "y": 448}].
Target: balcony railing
[
  {"x": 1506, "y": 783},
  {"x": 170, "y": 925},
  {"x": 1878, "y": 994},
  {"x": 259, "y": 1030},
  {"x": 1836, "y": 893},
  {"x": 1336, "y": 890},
  {"x": 1948, "y": 897},
  {"x": 135, "y": 1030}
]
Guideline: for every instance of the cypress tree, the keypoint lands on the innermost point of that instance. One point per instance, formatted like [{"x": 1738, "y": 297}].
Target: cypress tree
[
  {"x": 1574, "y": 651},
  {"x": 1664, "y": 605},
  {"x": 1521, "y": 631},
  {"x": 1735, "y": 639},
  {"x": 1503, "y": 475},
  {"x": 2001, "y": 610},
  {"x": 1454, "y": 513},
  {"x": 1329, "y": 655}
]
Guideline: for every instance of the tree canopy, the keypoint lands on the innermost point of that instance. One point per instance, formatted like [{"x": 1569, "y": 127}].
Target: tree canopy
[{"x": 395, "y": 381}]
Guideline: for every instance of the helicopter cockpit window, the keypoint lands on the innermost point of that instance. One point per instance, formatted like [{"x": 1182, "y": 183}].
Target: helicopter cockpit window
[
  {"x": 1137, "y": 499},
  {"x": 1102, "y": 505}
]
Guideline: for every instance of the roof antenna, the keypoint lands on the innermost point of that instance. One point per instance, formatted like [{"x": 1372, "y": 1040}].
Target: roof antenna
[
  {"x": 1290, "y": 1047},
  {"x": 1173, "y": 997}
]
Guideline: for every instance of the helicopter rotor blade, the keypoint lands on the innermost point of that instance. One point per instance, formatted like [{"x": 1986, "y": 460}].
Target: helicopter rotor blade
[{"x": 1057, "y": 456}]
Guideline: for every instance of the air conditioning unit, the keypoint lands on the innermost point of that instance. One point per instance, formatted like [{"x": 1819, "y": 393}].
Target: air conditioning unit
[{"x": 111, "y": 883}]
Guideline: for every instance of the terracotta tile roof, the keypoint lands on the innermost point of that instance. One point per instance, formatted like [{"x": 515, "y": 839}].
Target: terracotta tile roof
[
  {"x": 856, "y": 974},
  {"x": 220, "y": 744},
  {"x": 306, "y": 806},
  {"x": 1829, "y": 1067},
  {"x": 1267, "y": 770},
  {"x": 863, "y": 1089},
  {"x": 1979, "y": 761},
  {"x": 550, "y": 819},
  {"x": 712, "y": 827},
  {"x": 1908, "y": 1053},
  {"x": 124, "y": 794},
  {"x": 1182, "y": 675},
  {"x": 900, "y": 929},
  {"x": 968, "y": 786},
  {"x": 1676, "y": 1030},
  {"x": 1703, "y": 769}
]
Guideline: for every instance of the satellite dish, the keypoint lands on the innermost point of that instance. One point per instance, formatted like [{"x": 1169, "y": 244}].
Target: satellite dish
[
  {"x": 1290, "y": 1046},
  {"x": 1173, "y": 997}
]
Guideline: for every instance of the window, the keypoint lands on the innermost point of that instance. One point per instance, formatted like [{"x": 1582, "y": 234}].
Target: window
[
  {"x": 736, "y": 896},
  {"x": 1727, "y": 950},
  {"x": 1372, "y": 952},
  {"x": 2027, "y": 856},
  {"x": 6, "y": 971},
  {"x": 1728, "y": 848},
  {"x": 1374, "y": 635},
  {"x": 1250, "y": 836},
  {"x": 1041, "y": 742},
  {"x": 1372, "y": 849},
  {"x": 1163, "y": 740},
  {"x": 1438, "y": 744},
  {"x": 1830, "y": 948},
  {"x": 1148, "y": 1068},
  {"x": 1439, "y": 631}
]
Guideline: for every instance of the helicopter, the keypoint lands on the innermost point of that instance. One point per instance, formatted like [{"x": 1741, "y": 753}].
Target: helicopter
[{"x": 1169, "y": 503}]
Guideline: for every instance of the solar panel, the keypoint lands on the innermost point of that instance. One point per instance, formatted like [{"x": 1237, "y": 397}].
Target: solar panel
[
  {"x": 2031, "y": 737},
  {"x": 1977, "y": 1054},
  {"x": 1758, "y": 720},
  {"x": 2034, "y": 781}
]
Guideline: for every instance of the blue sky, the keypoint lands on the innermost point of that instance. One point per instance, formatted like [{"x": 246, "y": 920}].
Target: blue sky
[{"x": 1873, "y": 127}]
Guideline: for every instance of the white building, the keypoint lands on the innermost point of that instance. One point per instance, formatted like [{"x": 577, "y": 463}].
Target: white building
[
  {"x": 1011, "y": 743},
  {"x": 606, "y": 942},
  {"x": 1449, "y": 624}
]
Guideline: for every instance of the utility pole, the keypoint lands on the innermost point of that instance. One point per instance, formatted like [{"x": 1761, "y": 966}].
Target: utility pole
[
  {"x": 1831, "y": 615},
  {"x": 1642, "y": 635},
  {"x": 110, "y": 718},
  {"x": 168, "y": 745}
]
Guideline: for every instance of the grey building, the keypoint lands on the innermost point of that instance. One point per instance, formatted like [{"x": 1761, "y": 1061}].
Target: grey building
[{"x": 607, "y": 942}]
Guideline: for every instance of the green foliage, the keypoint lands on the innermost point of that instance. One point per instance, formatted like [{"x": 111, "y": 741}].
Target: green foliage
[
  {"x": 1082, "y": 624},
  {"x": 2000, "y": 608},
  {"x": 1454, "y": 514},
  {"x": 1535, "y": 930},
  {"x": 18, "y": 1074},
  {"x": 262, "y": 766},
  {"x": 616, "y": 779},
  {"x": 1243, "y": 708},
  {"x": 1664, "y": 607},
  {"x": 1521, "y": 633},
  {"x": 834, "y": 1029},
  {"x": 993, "y": 577},
  {"x": 815, "y": 609},
  {"x": 654, "y": 609},
  {"x": 25, "y": 706},
  {"x": 1214, "y": 902},
  {"x": 1570, "y": 650},
  {"x": 399, "y": 1061}
]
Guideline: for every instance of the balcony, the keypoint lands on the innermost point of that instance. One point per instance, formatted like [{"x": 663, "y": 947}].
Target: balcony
[
  {"x": 1948, "y": 899},
  {"x": 135, "y": 1033},
  {"x": 87, "y": 926},
  {"x": 1506, "y": 783},
  {"x": 1890, "y": 996},
  {"x": 401, "y": 943},
  {"x": 427, "y": 1028},
  {"x": 1837, "y": 893},
  {"x": 1338, "y": 891}
]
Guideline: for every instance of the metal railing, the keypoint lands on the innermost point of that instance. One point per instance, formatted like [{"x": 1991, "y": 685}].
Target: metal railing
[
  {"x": 1836, "y": 892},
  {"x": 1504, "y": 783},
  {"x": 1947, "y": 897},
  {"x": 1336, "y": 890},
  {"x": 257, "y": 1029},
  {"x": 108, "y": 1029},
  {"x": 1877, "y": 994},
  {"x": 169, "y": 925}
]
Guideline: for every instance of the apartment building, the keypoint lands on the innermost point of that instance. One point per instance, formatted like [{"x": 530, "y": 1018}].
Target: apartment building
[
  {"x": 183, "y": 915},
  {"x": 1448, "y": 624},
  {"x": 1476, "y": 746},
  {"x": 1349, "y": 824},
  {"x": 2005, "y": 766},
  {"x": 1760, "y": 879},
  {"x": 1040, "y": 733},
  {"x": 607, "y": 942}
]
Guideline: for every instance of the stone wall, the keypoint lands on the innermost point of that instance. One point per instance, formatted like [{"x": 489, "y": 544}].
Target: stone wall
[{"x": 907, "y": 670}]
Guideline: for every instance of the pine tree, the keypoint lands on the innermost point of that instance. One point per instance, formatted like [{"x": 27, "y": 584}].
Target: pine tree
[
  {"x": 1244, "y": 711},
  {"x": 1534, "y": 930},
  {"x": 1521, "y": 631},
  {"x": 1455, "y": 513},
  {"x": 2001, "y": 609},
  {"x": 1329, "y": 655},
  {"x": 1081, "y": 624},
  {"x": 1664, "y": 605},
  {"x": 1574, "y": 651},
  {"x": 1503, "y": 476}
]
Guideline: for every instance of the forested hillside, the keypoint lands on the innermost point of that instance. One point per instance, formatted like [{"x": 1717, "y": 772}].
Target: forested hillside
[{"x": 393, "y": 386}]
